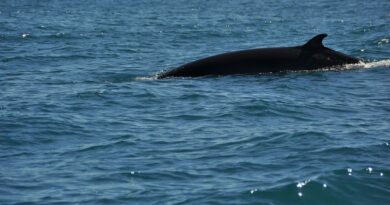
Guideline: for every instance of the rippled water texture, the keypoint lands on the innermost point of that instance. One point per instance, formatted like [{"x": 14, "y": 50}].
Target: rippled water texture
[{"x": 82, "y": 120}]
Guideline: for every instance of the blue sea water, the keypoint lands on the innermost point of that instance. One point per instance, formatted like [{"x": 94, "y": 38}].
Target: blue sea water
[{"x": 83, "y": 120}]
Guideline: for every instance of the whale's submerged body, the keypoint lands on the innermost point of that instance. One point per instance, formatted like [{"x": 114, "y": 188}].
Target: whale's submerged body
[{"x": 310, "y": 56}]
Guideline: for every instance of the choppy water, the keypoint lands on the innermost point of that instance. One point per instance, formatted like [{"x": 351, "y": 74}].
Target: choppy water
[{"x": 80, "y": 123}]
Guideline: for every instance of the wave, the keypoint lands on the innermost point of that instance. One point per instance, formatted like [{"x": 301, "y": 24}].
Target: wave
[
  {"x": 375, "y": 64},
  {"x": 337, "y": 187},
  {"x": 368, "y": 64},
  {"x": 97, "y": 147},
  {"x": 146, "y": 78},
  {"x": 46, "y": 36},
  {"x": 46, "y": 58}
]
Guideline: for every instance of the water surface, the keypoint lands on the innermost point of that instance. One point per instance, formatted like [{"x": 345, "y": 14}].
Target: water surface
[{"x": 83, "y": 122}]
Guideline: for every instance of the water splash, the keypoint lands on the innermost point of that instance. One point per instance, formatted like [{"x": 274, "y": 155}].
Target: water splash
[
  {"x": 375, "y": 64},
  {"x": 372, "y": 64},
  {"x": 154, "y": 77}
]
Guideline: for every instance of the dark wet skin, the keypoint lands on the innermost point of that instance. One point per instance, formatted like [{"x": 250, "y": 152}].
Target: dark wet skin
[{"x": 310, "y": 56}]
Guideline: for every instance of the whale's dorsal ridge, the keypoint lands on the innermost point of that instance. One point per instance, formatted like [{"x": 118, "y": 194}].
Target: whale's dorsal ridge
[
  {"x": 310, "y": 56},
  {"x": 316, "y": 42}
]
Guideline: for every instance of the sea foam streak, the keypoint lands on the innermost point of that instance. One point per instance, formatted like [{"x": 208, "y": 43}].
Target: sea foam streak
[
  {"x": 372, "y": 64},
  {"x": 146, "y": 78}
]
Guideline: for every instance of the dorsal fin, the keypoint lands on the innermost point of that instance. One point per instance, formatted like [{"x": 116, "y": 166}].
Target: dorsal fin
[{"x": 315, "y": 42}]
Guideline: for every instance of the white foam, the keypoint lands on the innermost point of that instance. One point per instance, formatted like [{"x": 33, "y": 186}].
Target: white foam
[
  {"x": 153, "y": 77},
  {"x": 253, "y": 190},
  {"x": 384, "y": 41},
  {"x": 302, "y": 184},
  {"x": 373, "y": 64},
  {"x": 146, "y": 78},
  {"x": 349, "y": 171}
]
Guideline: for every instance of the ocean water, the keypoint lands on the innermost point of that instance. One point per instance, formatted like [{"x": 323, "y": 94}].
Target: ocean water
[{"x": 84, "y": 121}]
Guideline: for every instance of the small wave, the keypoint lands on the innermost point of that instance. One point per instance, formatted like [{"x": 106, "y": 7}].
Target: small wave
[
  {"x": 43, "y": 36},
  {"x": 372, "y": 64},
  {"x": 146, "y": 78},
  {"x": 336, "y": 187},
  {"x": 102, "y": 147},
  {"x": 49, "y": 58},
  {"x": 352, "y": 149},
  {"x": 154, "y": 76},
  {"x": 117, "y": 77},
  {"x": 158, "y": 74}
]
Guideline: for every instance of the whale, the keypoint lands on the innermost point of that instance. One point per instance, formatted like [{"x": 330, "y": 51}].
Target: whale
[{"x": 310, "y": 56}]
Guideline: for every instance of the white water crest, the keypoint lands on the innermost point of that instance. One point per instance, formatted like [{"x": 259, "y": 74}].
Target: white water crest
[
  {"x": 372, "y": 64},
  {"x": 360, "y": 65},
  {"x": 154, "y": 77}
]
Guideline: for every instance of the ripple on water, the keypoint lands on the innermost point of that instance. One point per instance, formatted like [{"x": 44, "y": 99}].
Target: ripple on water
[{"x": 80, "y": 125}]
